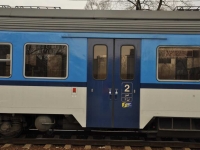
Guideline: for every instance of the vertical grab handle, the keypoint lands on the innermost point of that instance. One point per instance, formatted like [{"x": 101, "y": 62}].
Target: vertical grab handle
[
  {"x": 110, "y": 93},
  {"x": 116, "y": 93}
]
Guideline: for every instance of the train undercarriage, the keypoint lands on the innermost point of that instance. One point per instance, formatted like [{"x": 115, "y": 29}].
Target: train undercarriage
[{"x": 12, "y": 125}]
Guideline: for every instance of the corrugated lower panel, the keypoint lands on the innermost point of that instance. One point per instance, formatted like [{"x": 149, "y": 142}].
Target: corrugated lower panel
[{"x": 93, "y": 25}]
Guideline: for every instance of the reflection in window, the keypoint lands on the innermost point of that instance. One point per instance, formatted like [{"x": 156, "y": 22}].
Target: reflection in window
[
  {"x": 100, "y": 62},
  {"x": 5, "y": 60},
  {"x": 127, "y": 62},
  {"x": 179, "y": 63},
  {"x": 45, "y": 60}
]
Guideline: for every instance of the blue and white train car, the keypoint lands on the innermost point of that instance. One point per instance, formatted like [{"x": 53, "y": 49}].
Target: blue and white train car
[{"x": 133, "y": 70}]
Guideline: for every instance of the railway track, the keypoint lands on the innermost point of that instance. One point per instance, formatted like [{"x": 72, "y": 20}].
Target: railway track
[
  {"x": 102, "y": 140},
  {"x": 86, "y": 147}
]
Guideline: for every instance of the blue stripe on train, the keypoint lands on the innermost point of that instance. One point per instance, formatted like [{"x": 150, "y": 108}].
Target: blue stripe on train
[
  {"x": 43, "y": 83},
  {"x": 84, "y": 84},
  {"x": 170, "y": 86}
]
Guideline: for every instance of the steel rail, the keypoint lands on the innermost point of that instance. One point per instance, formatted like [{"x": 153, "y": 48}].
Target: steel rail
[{"x": 95, "y": 142}]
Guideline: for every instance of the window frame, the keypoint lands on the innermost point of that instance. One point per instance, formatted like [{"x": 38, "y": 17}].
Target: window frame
[
  {"x": 106, "y": 61},
  {"x": 56, "y": 78},
  {"x": 134, "y": 61},
  {"x": 11, "y": 51},
  {"x": 157, "y": 61}
]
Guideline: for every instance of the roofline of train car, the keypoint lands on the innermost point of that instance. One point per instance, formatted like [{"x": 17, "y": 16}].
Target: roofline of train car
[{"x": 99, "y": 14}]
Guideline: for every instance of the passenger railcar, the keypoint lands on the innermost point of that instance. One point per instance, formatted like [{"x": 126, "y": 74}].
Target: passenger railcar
[{"x": 78, "y": 69}]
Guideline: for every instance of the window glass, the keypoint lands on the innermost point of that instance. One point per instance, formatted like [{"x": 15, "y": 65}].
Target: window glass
[
  {"x": 127, "y": 62},
  {"x": 179, "y": 63},
  {"x": 45, "y": 60},
  {"x": 100, "y": 62},
  {"x": 5, "y": 60}
]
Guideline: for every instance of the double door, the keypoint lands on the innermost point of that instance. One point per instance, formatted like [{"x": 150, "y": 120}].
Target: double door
[{"x": 113, "y": 83}]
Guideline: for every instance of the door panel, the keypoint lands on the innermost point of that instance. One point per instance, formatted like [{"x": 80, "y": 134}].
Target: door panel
[
  {"x": 127, "y": 81},
  {"x": 99, "y": 103},
  {"x": 113, "y": 83}
]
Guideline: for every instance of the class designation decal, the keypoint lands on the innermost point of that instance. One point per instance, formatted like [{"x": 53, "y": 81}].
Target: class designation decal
[
  {"x": 126, "y": 105},
  {"x": 127, "y": 94}
]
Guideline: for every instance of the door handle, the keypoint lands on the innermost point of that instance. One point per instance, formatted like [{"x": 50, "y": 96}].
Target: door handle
[
  {"x": 116, "y": 91},
  {"x": 110, "y": 93}
]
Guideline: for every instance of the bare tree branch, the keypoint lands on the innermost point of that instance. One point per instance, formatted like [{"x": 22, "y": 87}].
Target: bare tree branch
[
  {"x": 159, "y": 5},
  {"x": 185, "y": 3},
  {"x": 138, "y": 5},
  {"x": 135, "y": 4},
  {"x": 165, "y": 4},
  {"x": 132, "y": 2}
]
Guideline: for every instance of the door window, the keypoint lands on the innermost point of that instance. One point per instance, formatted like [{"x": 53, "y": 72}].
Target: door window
[
  {"x": 100, "y": 62},
  {"x": 127, "y": 62}
]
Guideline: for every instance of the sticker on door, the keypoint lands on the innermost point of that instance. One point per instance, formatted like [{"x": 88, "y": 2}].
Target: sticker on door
[
  {"x": 126, "y": 105},
  {"x": 126, "y": 94}
]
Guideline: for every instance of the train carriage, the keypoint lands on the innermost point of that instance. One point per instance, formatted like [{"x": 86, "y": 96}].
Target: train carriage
[{"x": 78, "y": 69}]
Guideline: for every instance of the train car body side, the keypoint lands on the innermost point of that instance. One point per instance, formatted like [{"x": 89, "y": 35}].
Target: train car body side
[
  {"x": 116, "y": 103},
  {"x": 23, "y": 94}
]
